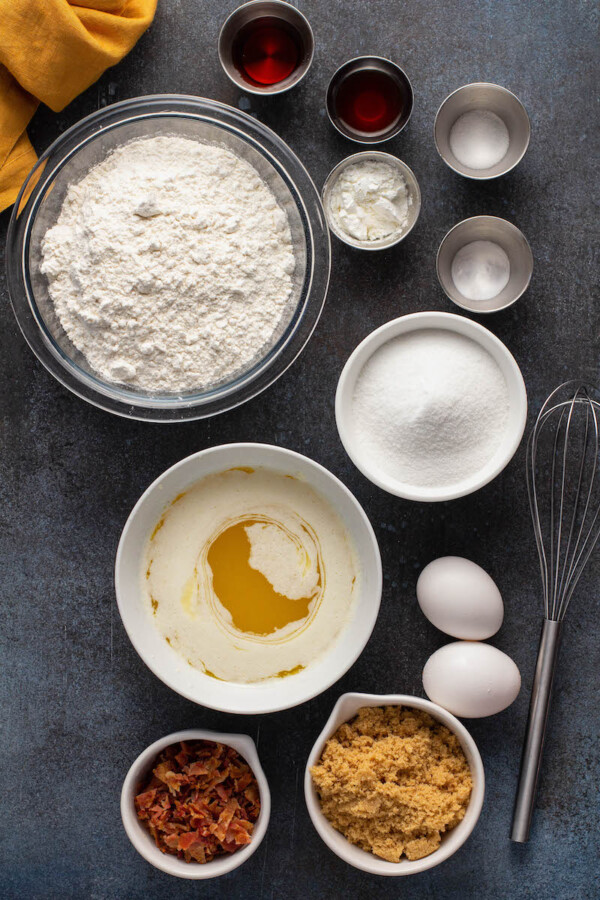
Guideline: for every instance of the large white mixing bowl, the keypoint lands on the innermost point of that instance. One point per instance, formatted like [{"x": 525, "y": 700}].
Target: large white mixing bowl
[{"x": 172, "y": 668}]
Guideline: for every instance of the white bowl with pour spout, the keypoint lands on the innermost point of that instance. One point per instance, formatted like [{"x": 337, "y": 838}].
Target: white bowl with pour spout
[
  {"x": 344, "y": 710},
  {"x": 143, "y": 841}
]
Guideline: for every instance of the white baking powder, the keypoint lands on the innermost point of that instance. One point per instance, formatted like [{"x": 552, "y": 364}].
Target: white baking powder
[
  {"x": 369, "y": 201},
  {"x": 430, "y": 408},
  {"x": 170, "y": 265},
  {"x": 480, "y": 270},
  {"x": 479, "y": 139}
]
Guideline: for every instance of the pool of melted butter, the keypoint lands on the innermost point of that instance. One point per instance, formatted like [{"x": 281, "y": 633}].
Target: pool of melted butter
[
  {"x": 255, "y": 608},
  {"x": 251, "y": 600}
]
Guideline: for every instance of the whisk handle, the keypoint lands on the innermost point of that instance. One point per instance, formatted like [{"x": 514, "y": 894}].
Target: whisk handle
[{"x": 539, "y": 708}]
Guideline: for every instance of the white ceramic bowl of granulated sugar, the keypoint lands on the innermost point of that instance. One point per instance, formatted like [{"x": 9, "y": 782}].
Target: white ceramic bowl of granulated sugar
[{"x": 431, "y": 406}]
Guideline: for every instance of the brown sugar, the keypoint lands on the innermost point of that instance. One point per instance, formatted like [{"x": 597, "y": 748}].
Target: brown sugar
[{"x": 392, "y": 781}]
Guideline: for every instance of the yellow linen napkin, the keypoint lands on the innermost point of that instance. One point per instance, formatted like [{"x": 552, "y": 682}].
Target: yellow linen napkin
[{"x": 50, "y": 51}]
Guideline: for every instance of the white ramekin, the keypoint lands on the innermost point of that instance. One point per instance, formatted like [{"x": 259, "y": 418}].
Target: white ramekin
[
  {"x": 347, "y": 707},
  {"x": 517, "y": 415},
  {"x": 170, "y": 666},
  {"x": 142, "y": 840}
]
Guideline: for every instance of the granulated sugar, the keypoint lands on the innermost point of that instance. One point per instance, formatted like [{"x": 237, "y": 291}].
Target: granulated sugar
[{"x": 430, "y": 408}]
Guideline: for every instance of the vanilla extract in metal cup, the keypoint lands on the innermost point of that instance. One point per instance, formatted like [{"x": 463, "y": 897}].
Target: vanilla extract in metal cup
[
  {"x": 266, "y": 46},
  {"x": 369, "y": 99}
]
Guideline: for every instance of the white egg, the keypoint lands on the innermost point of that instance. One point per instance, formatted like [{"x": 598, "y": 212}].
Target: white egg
[
  {"x": 460, "y": 598},
  {"x": 471, "y": 679}
]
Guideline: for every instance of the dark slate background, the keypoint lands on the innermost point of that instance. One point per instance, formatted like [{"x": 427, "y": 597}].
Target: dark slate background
[{"x": 77, "y": 705}]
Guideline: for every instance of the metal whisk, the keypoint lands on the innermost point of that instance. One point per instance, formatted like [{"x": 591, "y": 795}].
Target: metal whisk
[{"x": 563, "y": 483}]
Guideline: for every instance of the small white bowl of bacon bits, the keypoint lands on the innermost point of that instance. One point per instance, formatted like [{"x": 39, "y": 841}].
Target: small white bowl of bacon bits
[{"x": 196, "y": 804}]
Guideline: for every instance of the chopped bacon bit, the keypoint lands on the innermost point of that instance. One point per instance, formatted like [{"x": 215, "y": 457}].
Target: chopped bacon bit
[
  {"x": 145, "y": 800},
  {"x": 161, "y": 771},
  {"x": 187, "y": 839},
  {"x": 220, "y": 829},
  {"x": 222, "y": 792},
  {"x": 197, "y": 853},
  {"x": 243, "y": 782},
  {"x": 175, "y": 782},
  {"x": 237, "y": 833},
  {"x": 202, "y": 801}
]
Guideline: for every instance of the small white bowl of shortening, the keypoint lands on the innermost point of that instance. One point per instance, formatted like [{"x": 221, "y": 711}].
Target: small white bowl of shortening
[
  {"x": 431, "y": 406},
  {"x": 371, "y": 200},
  {"x": 248, "y": 578}
]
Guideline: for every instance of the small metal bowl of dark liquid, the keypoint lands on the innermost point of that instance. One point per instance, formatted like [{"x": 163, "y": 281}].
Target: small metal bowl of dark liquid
[
  {"x": 369, "y": 99},
  {"x": 266, "y": 46}
]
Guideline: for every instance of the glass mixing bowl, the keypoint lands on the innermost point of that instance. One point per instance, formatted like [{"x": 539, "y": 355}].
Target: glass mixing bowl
[{"x": 84, "y": 146}]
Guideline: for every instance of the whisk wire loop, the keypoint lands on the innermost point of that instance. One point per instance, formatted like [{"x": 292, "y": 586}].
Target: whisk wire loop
[
  {"x": 567, "y": 570},
  {"x": 566, "y": 519}
]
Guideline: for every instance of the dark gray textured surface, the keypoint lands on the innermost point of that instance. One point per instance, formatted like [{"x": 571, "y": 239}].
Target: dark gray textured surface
[{"x": 77, "y": 705}]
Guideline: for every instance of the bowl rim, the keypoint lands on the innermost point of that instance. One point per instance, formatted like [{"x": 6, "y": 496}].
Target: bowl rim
[
  {"x": 473, "y": 309},
  {"x": 498, "y": 87},
  {"x": 392, "y": 133},
  {"x": 412, "y": 186},
  {"x": 140, "y": 837},
  {"x": 293, "y": 78},
  {"x": 354, "y": 855},
  {"x": 404, "y": 325},
  {"x": 304, "y": 319},
  {"x": 370, "y": 614}
]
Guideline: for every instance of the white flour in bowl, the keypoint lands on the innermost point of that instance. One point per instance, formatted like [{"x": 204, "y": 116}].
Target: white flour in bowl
[
  {"x": 170, "y": 265},
  {"x": 430, "y": 408}
]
